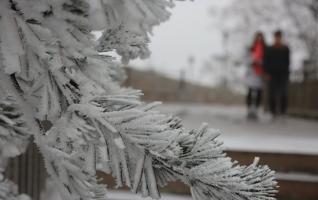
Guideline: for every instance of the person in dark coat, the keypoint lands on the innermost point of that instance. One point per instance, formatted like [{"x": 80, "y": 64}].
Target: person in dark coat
[{"x": 276, "y": 66}]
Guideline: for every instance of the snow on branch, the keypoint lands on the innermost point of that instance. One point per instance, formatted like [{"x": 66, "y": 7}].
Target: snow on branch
[
  {"x": 143, "y": 150},
  {"x": 14, "y": 134},
  {"x": 47, "y": 49},
  {"x": 127, "y": 24},
  {"x": 14, "y": 138}
]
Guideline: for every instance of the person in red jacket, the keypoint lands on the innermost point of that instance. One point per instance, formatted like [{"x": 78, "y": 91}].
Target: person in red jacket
[{"x": 255, "y": 74}]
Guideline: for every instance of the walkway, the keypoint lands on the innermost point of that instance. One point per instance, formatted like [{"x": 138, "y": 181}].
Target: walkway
[{"x": 292, "y": 135}]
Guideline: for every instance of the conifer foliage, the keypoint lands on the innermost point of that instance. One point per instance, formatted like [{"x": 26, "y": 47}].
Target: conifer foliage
[{"x": 52, "y": 70}]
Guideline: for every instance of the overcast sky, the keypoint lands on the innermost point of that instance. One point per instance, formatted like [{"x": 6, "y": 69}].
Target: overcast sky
[{"x": 191, "y": 31}]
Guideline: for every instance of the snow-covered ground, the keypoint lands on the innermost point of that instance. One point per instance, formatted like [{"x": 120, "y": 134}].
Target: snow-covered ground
[
  {"x": 291, "y": 135},
  {"x": 123, "y": 195},
  {"x": 120, "y": 195},
  {"x": 52, "y": 194}
]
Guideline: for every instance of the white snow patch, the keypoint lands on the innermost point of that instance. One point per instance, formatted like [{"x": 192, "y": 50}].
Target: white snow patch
[
  {"x": 301, "y": 177},
  {"x": 52, "y": 193},
  {"x": 119, "y": 143},
  {"x": 121, "y": 195},
  {"x": 291, "y": 135}
]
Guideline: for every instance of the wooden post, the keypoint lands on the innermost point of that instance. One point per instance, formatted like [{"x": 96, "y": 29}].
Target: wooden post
[{"x": 28, "y": 172}]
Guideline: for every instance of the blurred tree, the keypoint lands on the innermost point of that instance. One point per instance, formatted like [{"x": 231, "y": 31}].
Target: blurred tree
[
  {"x": 304, "y": 14},
  {"x": 297, "y": 18}
]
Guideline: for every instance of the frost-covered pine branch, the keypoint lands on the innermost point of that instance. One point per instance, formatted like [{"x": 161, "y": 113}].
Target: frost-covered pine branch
[
  {"x": 14, "y": 133},
  {"x": 52, "y": 67},
  {"x": 14, "y": 137}
]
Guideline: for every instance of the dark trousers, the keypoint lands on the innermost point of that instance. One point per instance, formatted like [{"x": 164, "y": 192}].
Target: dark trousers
[
  {"x": 278, "y": 95},
  {"x": 254, "y": 97}
]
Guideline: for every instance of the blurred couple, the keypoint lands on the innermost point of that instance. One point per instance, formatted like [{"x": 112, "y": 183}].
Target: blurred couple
[{"x": 268, "y": 64}]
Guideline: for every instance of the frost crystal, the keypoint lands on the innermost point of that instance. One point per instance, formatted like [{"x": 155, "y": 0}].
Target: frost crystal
[{"x": 52, "y": 70}]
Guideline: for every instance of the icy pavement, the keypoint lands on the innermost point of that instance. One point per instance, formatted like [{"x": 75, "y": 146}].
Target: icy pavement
[
  {"x": 52, "y": 194},
  {"x": 120, "y": 195},
  {"x": 291, "y": 135}
]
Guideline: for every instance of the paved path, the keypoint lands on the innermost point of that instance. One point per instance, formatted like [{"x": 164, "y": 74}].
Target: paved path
[
  {"x": 52, "y": 194},
  {"x": 120, "y": 195},
  {"x": 291, "y": 135}
]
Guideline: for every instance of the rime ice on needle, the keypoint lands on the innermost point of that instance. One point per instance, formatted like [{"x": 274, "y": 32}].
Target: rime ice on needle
[{"x": 51, "y": 67}]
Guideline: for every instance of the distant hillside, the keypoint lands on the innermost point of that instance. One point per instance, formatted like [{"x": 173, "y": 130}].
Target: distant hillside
[{"x": 161, "y": 88}]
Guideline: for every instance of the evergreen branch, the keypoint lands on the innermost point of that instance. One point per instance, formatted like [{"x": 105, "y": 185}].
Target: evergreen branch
[
  {"x": 14, "y": 132},
  {"x": 62, "y": 78},
  {"x": 144, "y": 146}
]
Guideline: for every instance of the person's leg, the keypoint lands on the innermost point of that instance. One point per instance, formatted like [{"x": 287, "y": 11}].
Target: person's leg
[
  {"x": 249, "y": 98},
  {"x": 284, "y": 97},
  {"x": 254, "y": 93},
  {"x": 259, "y": 96},
  {"x": 256, "y": 99},
  {"x": 272, "y": 97},
  {"x": 251, "y": 101}
]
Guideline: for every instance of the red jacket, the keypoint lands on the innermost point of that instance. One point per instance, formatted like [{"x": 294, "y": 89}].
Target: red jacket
[{"x": 258, "y": 57}]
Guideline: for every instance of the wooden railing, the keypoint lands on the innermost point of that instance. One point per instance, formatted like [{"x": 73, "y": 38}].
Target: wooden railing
[
  {"x": 28, "y": 172},
  {"x": 303, "y": 99}
]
